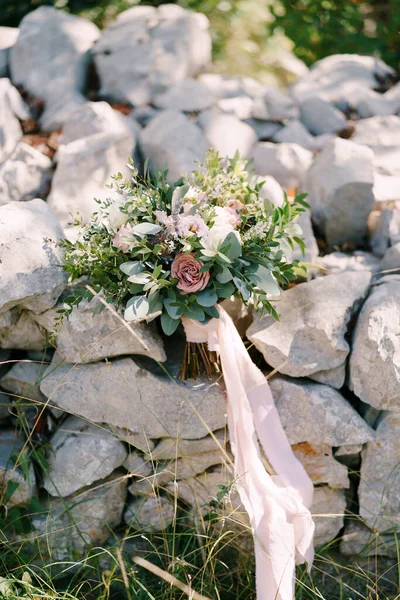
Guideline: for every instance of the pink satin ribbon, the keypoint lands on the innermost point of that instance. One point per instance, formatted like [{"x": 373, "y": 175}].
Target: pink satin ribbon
[{"x": 277, "y": 505}]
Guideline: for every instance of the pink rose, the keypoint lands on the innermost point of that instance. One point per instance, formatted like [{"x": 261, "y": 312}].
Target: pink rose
[
  {"x": 235, "y": 205},
  {"x": 186, "y": 269},
  {"x": 123, "y": 238}
]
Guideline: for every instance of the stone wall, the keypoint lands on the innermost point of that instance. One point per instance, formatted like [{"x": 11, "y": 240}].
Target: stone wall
[{"x": 122, "y": 436}]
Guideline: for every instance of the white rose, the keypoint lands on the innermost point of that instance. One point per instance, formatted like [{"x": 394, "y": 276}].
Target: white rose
[{"x": 116, "y": 218}]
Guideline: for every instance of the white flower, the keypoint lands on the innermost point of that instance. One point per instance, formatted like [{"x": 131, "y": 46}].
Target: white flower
[
  {"x": 215, "y": 237},
  {"x": 116, "y": 218}
]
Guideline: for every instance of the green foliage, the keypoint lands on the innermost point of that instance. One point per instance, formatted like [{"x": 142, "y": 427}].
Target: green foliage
[{"x": 323, "y": 27}]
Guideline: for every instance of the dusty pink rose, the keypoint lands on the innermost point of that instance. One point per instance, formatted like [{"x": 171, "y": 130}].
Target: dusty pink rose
[
  {"x": 235, "y": 205},
  {"x": 186, "y": 269},
  {"x": 122, "y": 238}
]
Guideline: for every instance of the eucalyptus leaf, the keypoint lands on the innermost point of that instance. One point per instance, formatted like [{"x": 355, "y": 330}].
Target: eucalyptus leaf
[
  {"x": 194, "y": 311},
  {"x": 225, "y": 290},
  {"x": 206, "y": 298},
  {"x": 264, "y": 280},
  {"x": 172, "y": 307},
  {"x": 231, "y": 246},
  {"x": 224, "y": 276},
  {"x": 132, "y": 268},
  {"x": 146, "y": 228},
  {"x": 178, "y": 195},
  {"x": 241, "y": 286},
  {"x": 212, "y": 311},
  {"x": 168, "y": 324},
  {"x": 140, "y": 278},
  {"x": 137, "y": 307}
]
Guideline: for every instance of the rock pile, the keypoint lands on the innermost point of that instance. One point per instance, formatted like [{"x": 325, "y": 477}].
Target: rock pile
[{"x": 125, "y": 441}]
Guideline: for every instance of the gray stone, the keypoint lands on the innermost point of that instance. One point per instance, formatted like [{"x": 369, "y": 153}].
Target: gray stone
[
  {"x": 23, "y": 381},
  {"x": 265, "y": 130},
  {"x": 137, "y": 465},
  {"x": 19, "y": 331},
  {"x": 175, "y": 470},
  {"x": 5, "y": 402},
  {"x": 362, "y": 541},
  {"x": 379, "y": 479},
  {"x": 384, "y": 228},
  {"x": 225, "y": 86},
  {"x": 375, "y": 357},
  {"x": 335, "y": 78},
  {"x": 60, "y": 108},
  {"x": 188, "y": 95},
  {"x": 288, "y": 163},
  {"x": 317, "y": 414},
  {"x": 148, "y": 50},
  {"x": 328, "y": 510},
  {"x": 334, "y": 377},
  {"x": 88, "y": 337},
  {"x": 44, "y": 72},
  {"x": 68, "y": 527},
  {"x": 339, "y": 262},
  {"x": 172, "y": 140},
  {"x": 150, "y": 514},
  {"x": 275, "y": 106},
  {"x": 8, "y": 37},
  {"x": 227, "y": 134},
  {"x": 25, "y": 174},
  {"x": 241, "y": 315},
  {"x": 122, "y": 394},
  {"x": 391, "y": 259},
  {"x": 340, "y": 191},
  {"x": 140, "y": 441},
  {"x": 199, "y": 491},
  {"x": 84, "y": 167},
  {"x": 311, "y": 334},
  {"x": 320, "y": 465},
  {"x": 80, "y": 454},
  {"x": 31, "y": 274},
  {"x": 10, "y": 447},
  {"x": 240, "y": 107},
  {"x": 170, "y": 448},
  {"x": 12, "y": 108},
  {"x": 311, "y": 250},
  {"x": 295, "y": 133},
  {"x": 144, "y": 114},
  {"x": 321, "y": 117},
  {"x": 95, "y": 117}
]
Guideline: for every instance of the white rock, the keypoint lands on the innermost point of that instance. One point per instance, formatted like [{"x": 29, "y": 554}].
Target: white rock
[
  {"x": 19, "y": 331},
  {"x": 10, "y": 446},
  {"x": 317, "y": 414},
  {"x": 8, "y": 37},
  {"x": 340, "y": 185},
  {"x": 368, "y": 103},
  {"x": 145, "y": 52},
  {"x": 380, "y": 482},
  {"x": 92, "y": 118},
  {"x": 144, "y": 114},
  {"x": 377, "y": 132},
  {"x": 31, "y": 274},
  {"x": 188, "y": 95},
  {"x": 295, "y": 133},
  {"x": 339, "y": 262},
  {"x": 84, "y": 168},
  {"x": 12, "y": 108},
  {"x": 311, "y": 251},
  {"x": 60, "y": 108},
  {"x": 227, "y": 134},
  {"x": 23, "y": 381},
  {"x": 311, "y": 334},
  {"x": 24, "y": 175},
  {"x": 172, "y": 140},
  {"x": 240, "y": 106},
  {"x": 169, "y": 448},
  {"x": 288, "y": 163},
  {"x": 384, "y": 227},
  {"x": 271, "y": 190},
  {"x": 122, "y": 394},
  {"x": 87, "y": 337},
  {"x": 150, "y": 514},
  {"x": 328, "y": 513},
  {"x": 68, "y": 526},
  {"x": 80, "y": 454},
  {"x": 335, "y": 77},
  {"x": 225, "y": 86},
  {"x": 375, "y": 357},
  {"x": 34, "y": 62},
  {"x": 321, "y": 466},
  {"x": 319, "y": 116},
  {"x": 275, "y": 106}
]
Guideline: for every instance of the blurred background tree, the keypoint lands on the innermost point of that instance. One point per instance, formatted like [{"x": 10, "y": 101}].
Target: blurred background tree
[{"x": 267, "y": 39}]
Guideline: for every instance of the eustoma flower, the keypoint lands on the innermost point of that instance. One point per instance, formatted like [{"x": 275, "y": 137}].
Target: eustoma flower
[{"x": 186, "y": 269}]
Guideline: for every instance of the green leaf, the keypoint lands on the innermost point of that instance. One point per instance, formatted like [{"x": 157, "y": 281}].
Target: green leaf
[
  {"x": 168, "y": 324},
  {"x": 146, "y": 228},
  {"x": 264, "y": 280},
  {"x": 135, "y": 288},
  {"x": 140, "y": 278},
  {"x": 212, "y": 311},
  {"x": 224, "y": 276},
  {"x": 194, "y": 311},
  {"x": 132, "y": 268},
  {"x": 224, "y": 290},
  {"x": 178, "y": 195},
  {"x": 172, "y": 307},
  {"x": 231, "y": 246},
  {"x": 242, "y": 287},
  {"x": 136, "y": 308},
  {"x": 206, "y": 298},
  {"x": 10, "y": 489}
]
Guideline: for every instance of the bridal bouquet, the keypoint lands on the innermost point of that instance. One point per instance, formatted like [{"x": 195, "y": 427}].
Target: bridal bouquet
[{"x": 177, "y": 250}]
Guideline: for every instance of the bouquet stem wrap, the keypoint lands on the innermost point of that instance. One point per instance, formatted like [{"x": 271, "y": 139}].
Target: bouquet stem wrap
[{"x": 277, "y": 505}]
